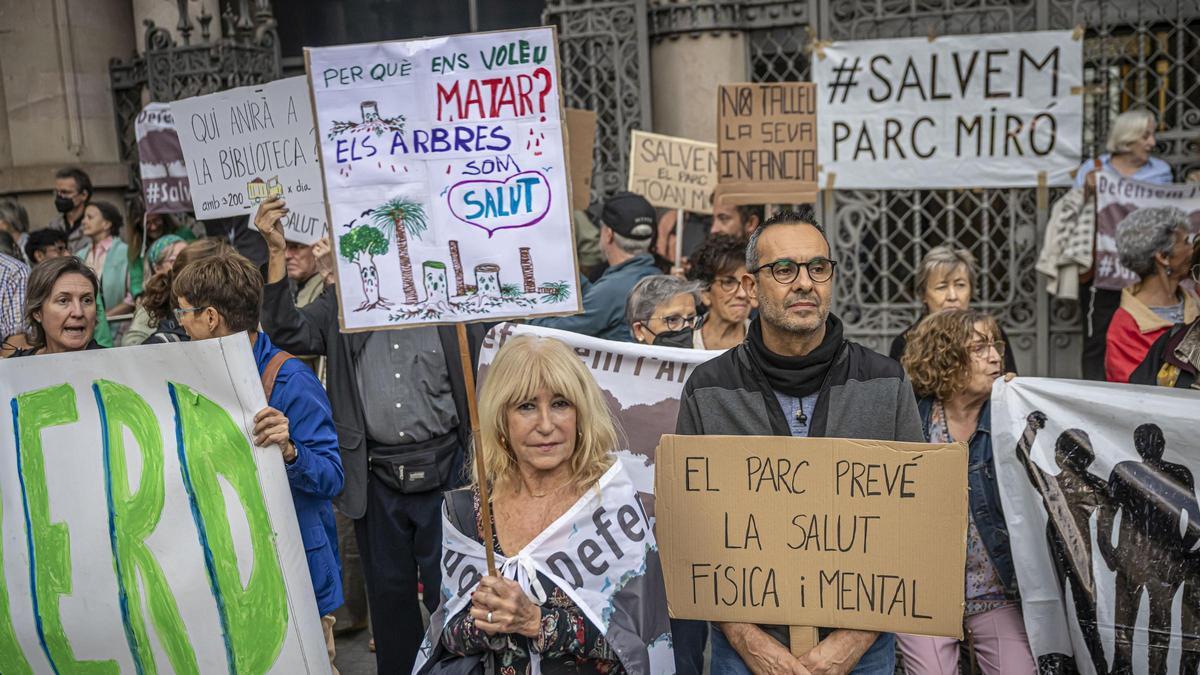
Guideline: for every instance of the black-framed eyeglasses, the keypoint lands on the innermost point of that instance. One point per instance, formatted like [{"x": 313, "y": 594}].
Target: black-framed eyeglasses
[
  {"x": 180, "y": 311},
  {"x": 675, "y": 322},
  {"x": 727, "y": 284},
  {"x": 785, "y": 271},
  {"x": 1196, "y": 273}
]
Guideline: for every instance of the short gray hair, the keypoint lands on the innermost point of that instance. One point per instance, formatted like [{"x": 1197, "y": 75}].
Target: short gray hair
[
  {"x": 629, "y": 244},
  {"x": 1127, "y": 129},
  {"x": 653, "y": 291},
  {"x": 14, "y": 214},
  {"x": 945, "y": 258},
  {"x": 1146, "y": 232}
]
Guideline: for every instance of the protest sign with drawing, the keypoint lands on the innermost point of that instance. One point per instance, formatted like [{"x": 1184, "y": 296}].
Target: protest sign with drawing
[
  {"x": 160, "y": 161},
  {"x": 951, "y": 111},
  {"x": 814, "y": 531},
  {"x": 446, "y": 178},
  {"x": 1117, "y": 197},
  {"x": 766, "y": 143},
  {"x": 247, "y": 145},
  {"x": 143, "y": 531},
  {"x": 1100, "y": 501}
]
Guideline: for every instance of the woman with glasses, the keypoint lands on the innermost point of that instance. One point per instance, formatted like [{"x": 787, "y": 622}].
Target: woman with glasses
[
  {"x": 720, "y": 265},
  {"x": 953, "y": 357},
  {"x": 155, "y": 320},
  {"x": 946, "y": 280},
  {"x": 61, "y": 306},
  {"x": 1174, "y": 358},
  {"x": 661, "y": 310},
  {"x": 1154, "y": 244}
]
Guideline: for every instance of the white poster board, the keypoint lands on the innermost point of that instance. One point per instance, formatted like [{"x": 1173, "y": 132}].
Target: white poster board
[
  {"x": 446, "y": 177},
  {"x": 954, "y": 111},
  {"x": 246, "y": 145},
  {"x": 142, "y": 529},
  {"x": 1108, "y": 567}
]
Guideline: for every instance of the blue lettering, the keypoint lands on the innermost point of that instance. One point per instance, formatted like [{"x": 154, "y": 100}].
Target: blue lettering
[
  {"x": 469, "y": 198},
  {"x": 398, "y": 142},
  {"x": 420, "y": 141}
]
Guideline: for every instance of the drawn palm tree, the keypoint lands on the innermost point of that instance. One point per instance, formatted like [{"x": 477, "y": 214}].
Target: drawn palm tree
[{"x": 401, "y": 218}]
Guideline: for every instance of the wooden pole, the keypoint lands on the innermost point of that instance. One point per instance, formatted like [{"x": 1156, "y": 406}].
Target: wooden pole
[
  {"x": 802, "y": 639},
  {"x": 485, "y": 504},
  {"x": 679, "y": 238}
]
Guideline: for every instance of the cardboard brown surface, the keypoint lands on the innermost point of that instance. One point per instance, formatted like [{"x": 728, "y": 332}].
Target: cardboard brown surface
[
  {"x": 671, "y": 172},
  {"x": 581, "y": 141},
  {"x": 748, "y": 531},
  {"x": 767, "y": 143}
]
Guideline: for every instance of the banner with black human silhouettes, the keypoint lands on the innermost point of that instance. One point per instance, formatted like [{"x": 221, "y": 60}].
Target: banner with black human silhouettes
[
  {"x": 1116, "y": 198},
  {"x": 1097, "y": 483},
  {"x": 950, "y": 111},
  {"x": 446, "y": 177}
]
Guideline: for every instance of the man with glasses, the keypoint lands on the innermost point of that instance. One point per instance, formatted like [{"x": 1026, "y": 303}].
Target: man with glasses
[
  {"x": 72, "y": 192},
  {"x": 797, "y": 375}
]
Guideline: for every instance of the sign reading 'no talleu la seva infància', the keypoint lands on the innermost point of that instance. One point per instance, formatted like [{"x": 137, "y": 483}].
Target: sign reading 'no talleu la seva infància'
[{"x": 446, "y": 178}]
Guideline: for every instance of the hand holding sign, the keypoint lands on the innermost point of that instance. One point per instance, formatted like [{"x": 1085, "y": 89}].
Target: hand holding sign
[
  {"x": 499, "y": 606},
  {"x": 268, "y": 218}
]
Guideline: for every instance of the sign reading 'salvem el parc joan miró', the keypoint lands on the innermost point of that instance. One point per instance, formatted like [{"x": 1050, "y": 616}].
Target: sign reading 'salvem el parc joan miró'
[{"x": 446, "y": 178}]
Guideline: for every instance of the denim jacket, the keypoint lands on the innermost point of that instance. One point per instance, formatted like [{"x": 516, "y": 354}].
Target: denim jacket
[{"x": 984, "y": 494}]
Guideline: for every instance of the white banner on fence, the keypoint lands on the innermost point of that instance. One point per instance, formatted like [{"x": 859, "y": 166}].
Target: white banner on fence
[
  {"x": 641, "y": 383},
  {"x": 447, "y": 178},
  {"x": 955, "y": 111},
  {"x": 1097, "y": 483},
  {"x": 1117, "y": 197},
  {"x": 165, "y": 186},
  {"x": 246, "y": 145},
  {"x": 142, "y": 529}
]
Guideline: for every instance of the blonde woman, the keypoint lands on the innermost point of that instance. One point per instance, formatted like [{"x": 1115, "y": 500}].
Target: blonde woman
[{"x": 568, "y": 533}]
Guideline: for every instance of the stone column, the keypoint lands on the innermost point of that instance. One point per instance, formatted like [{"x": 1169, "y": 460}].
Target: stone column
[{"x": 57, "y": 108}]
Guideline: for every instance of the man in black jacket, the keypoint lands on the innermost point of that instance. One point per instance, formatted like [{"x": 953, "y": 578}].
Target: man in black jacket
[
  {"x": 400, "y": 408},
  {"x": 795, "y": 375}
]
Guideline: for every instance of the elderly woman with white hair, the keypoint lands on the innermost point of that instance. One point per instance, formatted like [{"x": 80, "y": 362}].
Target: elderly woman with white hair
[
  {"x": 946, "y": 279},
  {"x": 1155, "y": 244},
  {"x": 661, "y": 310}
]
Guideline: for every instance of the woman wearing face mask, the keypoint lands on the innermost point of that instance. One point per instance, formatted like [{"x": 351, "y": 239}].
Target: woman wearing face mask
[
  {"x": 953, "y": 357},
  {"x": 946, "y": 280},
  {"x": 720, "y": 265},
  {"x": 60, "y": 307},
  {"x": 1155, "y": 245},
  {"x": 107, "y": 256},
  {"x": 661, "y": 310}
]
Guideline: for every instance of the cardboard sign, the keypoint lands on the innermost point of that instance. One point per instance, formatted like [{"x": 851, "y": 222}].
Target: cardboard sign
[
  {"x": 814, "y": 531},
  {"x": 1116, "y": 198},
  {"x": 1098, "y": 486},
  {"x": 581, "y": 142},
  {"x": 143, "y": 531},
  {"x": 673, "y": 173},
  {"x": 247, "y": 145},
  {"x": 766, "y": 143},
  {"x": 956, "y": 111},
  {"x": 165, "y": 186},
  {"x": 446, "y": 178}
]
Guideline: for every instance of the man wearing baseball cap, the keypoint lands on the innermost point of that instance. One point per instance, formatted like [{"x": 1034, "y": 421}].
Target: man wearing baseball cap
[{"x": 626, "y": 226}]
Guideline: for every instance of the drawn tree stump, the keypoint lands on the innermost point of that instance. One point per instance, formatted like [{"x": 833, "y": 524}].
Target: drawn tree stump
[
  {"x": 487, "y": 280},
  {"x": 460, "y": 286},
  {"x": 527, "y": 270},
  {"x": 437, "y": 288}
]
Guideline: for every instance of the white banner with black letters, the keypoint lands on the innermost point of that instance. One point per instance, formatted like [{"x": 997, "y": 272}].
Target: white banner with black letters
[
  {"x": 954, "y": 111},
  {"x": 1097, "y": 483}
]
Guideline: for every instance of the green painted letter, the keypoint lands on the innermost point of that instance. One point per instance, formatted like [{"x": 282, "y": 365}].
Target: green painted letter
[
  {"x": 254, "y": 617},
  {"x": 132, "y": 517},
  {"x": 50, "y": 543}
]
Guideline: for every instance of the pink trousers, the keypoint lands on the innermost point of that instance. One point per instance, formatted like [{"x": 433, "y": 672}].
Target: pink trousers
[{"x": 999, "y": 639}]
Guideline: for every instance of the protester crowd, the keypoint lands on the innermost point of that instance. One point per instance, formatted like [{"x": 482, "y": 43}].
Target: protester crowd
[{"x": 378, "y": 423}]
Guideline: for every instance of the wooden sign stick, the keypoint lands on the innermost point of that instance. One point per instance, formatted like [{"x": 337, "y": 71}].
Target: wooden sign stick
[
  {"x": 802, "y": 639},
  {"x": 679, "y": 238},
  {"x": 485, "y": 504}
]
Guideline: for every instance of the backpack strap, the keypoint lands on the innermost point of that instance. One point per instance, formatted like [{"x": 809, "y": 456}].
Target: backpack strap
[
  {"x": 272, "y": 371},
  {"x": 460, "y": 511}
]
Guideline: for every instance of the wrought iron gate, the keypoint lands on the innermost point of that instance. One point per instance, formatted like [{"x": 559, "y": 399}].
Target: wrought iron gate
[{"x": 1137, "y": 53}]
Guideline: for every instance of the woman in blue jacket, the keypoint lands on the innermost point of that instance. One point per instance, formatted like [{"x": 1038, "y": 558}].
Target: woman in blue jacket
[{"x": 222, "y": 295}]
